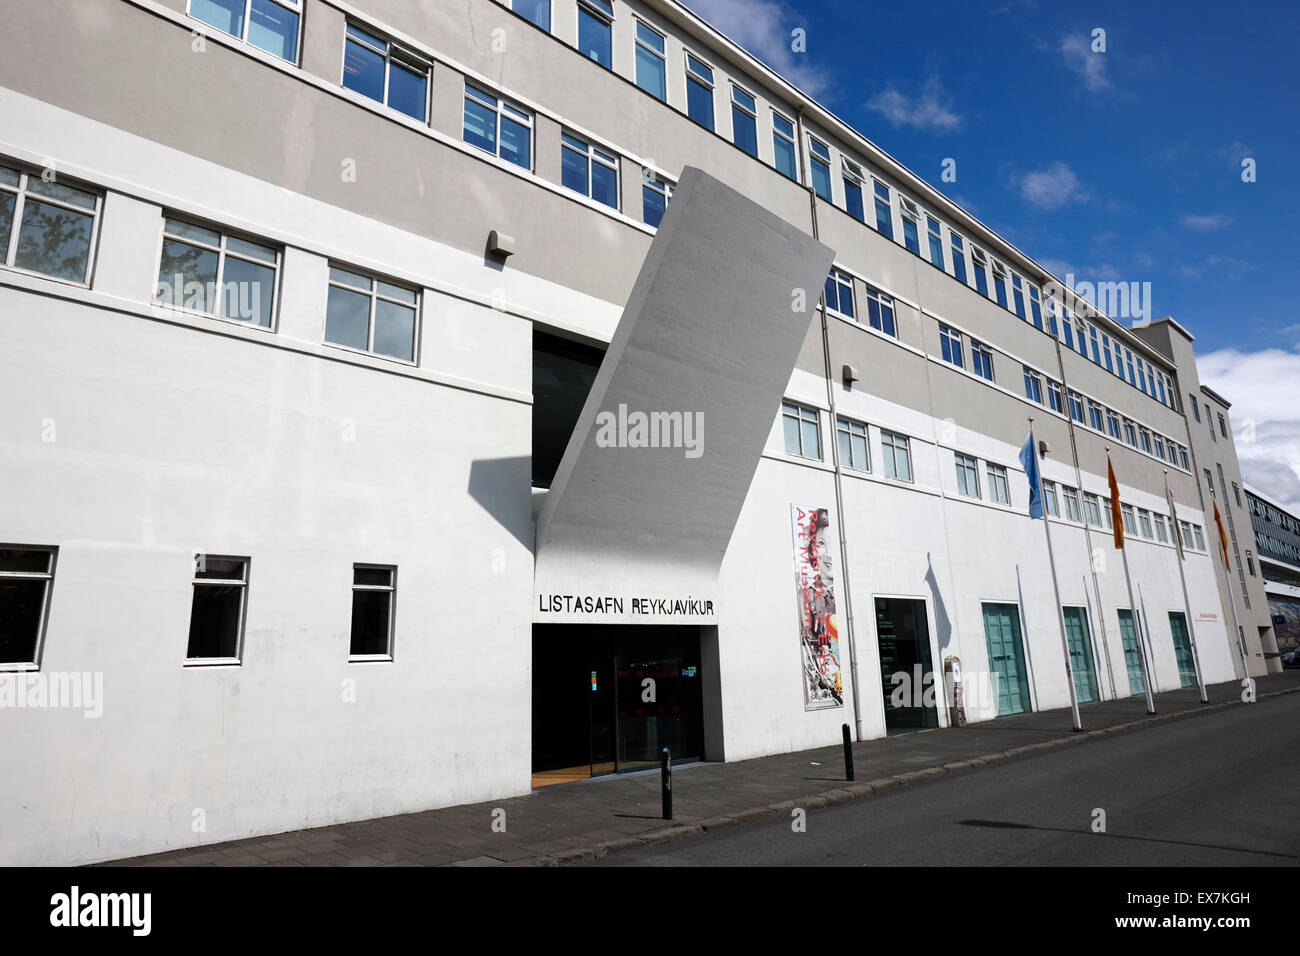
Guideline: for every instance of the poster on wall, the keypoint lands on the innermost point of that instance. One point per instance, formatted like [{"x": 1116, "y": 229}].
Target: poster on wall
[{"x": 818, "y": 627}]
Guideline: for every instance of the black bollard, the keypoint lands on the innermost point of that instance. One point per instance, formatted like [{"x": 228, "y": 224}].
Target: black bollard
[
  {"x": 666, "y": 782},
  {"x": 848, "y": 755}
]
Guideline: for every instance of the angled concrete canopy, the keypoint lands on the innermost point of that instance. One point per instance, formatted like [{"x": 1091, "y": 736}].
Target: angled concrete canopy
[{"x": 652, "y": 482}]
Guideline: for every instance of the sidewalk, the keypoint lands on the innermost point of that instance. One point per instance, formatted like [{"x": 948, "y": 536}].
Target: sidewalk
[{"x": 586, "y": 820}]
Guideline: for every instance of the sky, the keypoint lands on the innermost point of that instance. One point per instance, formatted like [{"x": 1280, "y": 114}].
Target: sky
[{"x": 1113, "y": 156}]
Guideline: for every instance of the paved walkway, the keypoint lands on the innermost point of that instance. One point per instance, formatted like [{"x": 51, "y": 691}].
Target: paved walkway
[{"x": 586, "y": 820}]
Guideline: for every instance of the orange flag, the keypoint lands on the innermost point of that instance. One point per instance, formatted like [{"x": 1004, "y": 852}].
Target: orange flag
[
  {"x": 1223, "y": 538},
  {"x": 1116, "y": 516}
]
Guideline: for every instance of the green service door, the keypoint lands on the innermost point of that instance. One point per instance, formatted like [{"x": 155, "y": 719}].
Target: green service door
[
  {"x": 1007, "y": 658},
  {"x": 1183, "y": 649},
  {"x": 1131, "y": 655},
  {"x": 1076, "y": 634}
]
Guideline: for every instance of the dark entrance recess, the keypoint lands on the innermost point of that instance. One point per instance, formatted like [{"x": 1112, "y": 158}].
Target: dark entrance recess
[
  {"x": 904, "y": 637},
  {"x": 563, "y": 373},
  {"x": 590, "y": 715}
]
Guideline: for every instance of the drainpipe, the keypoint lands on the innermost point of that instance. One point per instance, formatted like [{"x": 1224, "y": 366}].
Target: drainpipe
[{"x": 847, "y": 591}]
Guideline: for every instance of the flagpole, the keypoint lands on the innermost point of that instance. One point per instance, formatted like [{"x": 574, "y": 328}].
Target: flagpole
[
  {"x": 1187, "y": 601},
  {"x": 1132, "y": 609},
  {"x": 1056, "y": 589},
  {"x": 1232, "y": 602}
]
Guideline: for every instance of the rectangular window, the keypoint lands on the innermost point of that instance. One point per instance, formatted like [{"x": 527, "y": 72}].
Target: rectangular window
[
  {"x": 589, "y": 170},
  {"x": 217, "y": 610},
  {"x": 370, "y": 315},
  {"x": 1106, "y": 513},
  {"x": 596, "y": 30},
  {"x": 998, "y": 489},
  {"x": 1036, "y": 311},
  {"x": 1182, "y": 458},
  {"x": 783, "y": 146},
  {"x": 1223, "y": 426},
  {"x": 911, "y": 234},
  {"x": 497, "y": 126},
  {"x": 55, "y": 226},
  {"x": 1209, "y": 481},
  {"x": 270, "y": 25},
  {"x": 839, "y": 293},
  {"x": 981, "y": 271},
  {"x": 1162, "y": 533},
  {"x": 802, "y": 426},
  {"x": 1033, "y": 387},
  {"x": 1076, "y": 406},
  {"x": 1055, "y": 401},
  {"x": 1018, "y": 296},
  {"x": 1196, "y": 409},
  {"x": 1091, "y": 510},
  {"x": 537, "y": 12},
  {"x": 26, "y": 576},
  {"x": 968, "y": 479},
  {"x": 981, "y": 360},
  {"x": 1146, "y": 440},
  {"x": 819, "y": 156},
  {"x": 386, "y": 73},
  {"x": 884, "y": 210},
  {"x": 1049, "y": 499},
  {"x": 1072, "y": 504},
  {"x": 1236, "y": 493},
  {"x": 1128, "y": 361},
  {"x": 655, "y": 194},
  {"x": 699, "y": 91},
  {"x": 1250, "y": 564},
  {"x": 1158, "y": 445},
  {"x": 1105, "y": 351},
  {"x": 897, "y": 455},
  {"x": 880, "y": 312},
  {"x": 951, "y": 347},
  {"x": 1130, "y": 433},
  {"x": 935, "y": 233},
  {"x": 651, "y": 69},
  {"x": 1130, "y": 526},
  {"x": 1068, "y": 326},
  {"x": 1144, "y": 523},
  {"x": 1000, "y": 283},
  {"x": 204, "y": 270},
  {"x": 1095, "y": 416},
  {"x": 1112, "y": 424},
  {"x": 1200, "y": 537},
  {"x": 854, "y": 452},
  {"x": 853, "y": 180},
  {"x": 958, "y": 256},
  {"x": 1096, "y": 348},
  {"x": 1186, "y": 529},
  {"x": 374, "y": 593},
  {"x": 744, "y": 121}
]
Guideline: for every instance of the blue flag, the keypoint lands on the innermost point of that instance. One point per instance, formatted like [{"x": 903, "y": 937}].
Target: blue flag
[{"x": 1029, "y": 458}]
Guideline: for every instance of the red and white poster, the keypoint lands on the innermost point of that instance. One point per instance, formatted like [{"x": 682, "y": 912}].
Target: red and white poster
[{"x": 818, "y": 626}]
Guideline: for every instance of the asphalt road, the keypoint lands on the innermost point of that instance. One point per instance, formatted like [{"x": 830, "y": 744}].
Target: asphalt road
[{"x": 1221, "y": 789}]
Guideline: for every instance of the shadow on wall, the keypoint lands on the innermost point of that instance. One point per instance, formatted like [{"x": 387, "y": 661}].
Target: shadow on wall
[
  {"x": 942, "y": 623},
  {"x": 503, "y": 486}
]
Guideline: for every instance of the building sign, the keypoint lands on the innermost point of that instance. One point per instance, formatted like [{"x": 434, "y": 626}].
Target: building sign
[
  {"x": 604, "y": 604},
  {"x": 815, "y": 591}
]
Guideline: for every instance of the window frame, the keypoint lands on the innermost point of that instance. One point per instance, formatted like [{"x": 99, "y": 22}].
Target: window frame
[
  {"x": 661, "y": 55},
  {"x": 968, "y": 475},
  {"x": 842, "y": 282},
  {"x": 657, "y": 184},
  {"x": 803, "y": 415},
  {"x": 375, "y": 298},
  {"x": 710, "y": 84},
  {"x": 951, "y": 349},
  {"x": 293, "y": 6},
  {"x": 219, "y": 299},
  {"x": 501, "y": 104},
  {"x": 596, "y": 11},
  {"x": 790, "y": 140},
  {"x": 845, "y": 428},
  {"x": 999, "y": 485},
  {"x": 407, "y": 59},
  {"x": 879, "y": 306},
  {"x": 20, "y": 192},
  {"x": 47, "y": 576},
  {"x": 896, "y": 443},
  {"x": 201, "y": 558},
  {"x": 594, "y": 156},
  {"x": 391, "y": 590},
  {"x": 749, "y": 111},
  {"x": 981, "y": 360},
  {"x": 819, "y": 158}
]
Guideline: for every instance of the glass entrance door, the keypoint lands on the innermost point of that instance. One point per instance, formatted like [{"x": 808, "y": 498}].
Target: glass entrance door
[
  {"x": 1007, "y": 658},
  {"x": 1080, "y": 643},
  {"x": 1132, "y": 657},
  {"x": 906, "y": 670},
  {"x": 1183, "y": 649}
]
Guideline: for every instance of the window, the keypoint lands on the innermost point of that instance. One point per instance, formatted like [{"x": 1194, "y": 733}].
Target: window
[
  {"x": 1223, "y": 426},
  {"x": 1036, "y": 310},
  {"x": 26, "y": 575},
  {"x": 1049, "y": 498},
  {"x": 371, "y": 315},
  {"x": 1146, "y": 440},
  {"x": 204, "y": 270},
  {"x": 699, "y": 91},
  {"x": 1105, "y": 351},
  {"x": 744, "y": 121},
  {"x": 1130, "y": 433},
  {"x": 1250, "y": 563},
  {"x": 1000, "y": 283},
  {"x": 958, "y": 256},
  {"x": 651, "y": 71},
  {"x": 1018, "y": 296},
  {"x": 1112, "y": 424},
  {"x": 1182, "y": 458},
  {"x": 1068, "y": 326},
  {"x": 1196, "y": 409},
  {"x": 495, "y": 125},
  {"x": 839, "y": 293},
  {"x": 854, "y": 451},
  {"x": 1162, "y": 533},
  {"x": 655, "y": 194},
  {"x": 374, "y": 592},
  {"x": 1095, "y": 416},
  {"x": 1033, "y": 387},
  {"x": 880, "y": 312},
  {"x": 589, "y": 170},
  {"x": 911, "y": 237},
  {"x": 1209, "y": 481},
  {"x": 596, "y": 30},
  {"x": 386, "y": 73},
  {"x": 897, "y": 454},
  {"x": 802, "y": 430},
  {"x": 998, "y": 489},
  {"x": 884, "y": 210},
  {"x": 1096, "y": 349},
  {"x": 853, "y": 179},
  {"x": 1072, "y": 504},
  {"x": 1130, "y": 527},
  {"x": 1128, "y": 360},
  {"x": 55, "y": 231},
  {"x": 1055, "y": 401},
  {"x": 783, "y": 146},
  {"x": 1076, "y": 406},
  {"x": 217, "y": 611},
  {"x": 1200, "y": 537},
  {"x": 981, "y": 360},
  {"x": 968, "y": 480},
  {"x": 981, "y": 270},
  {"x": 1144, "y": 523},
  {"x": 1186, "y": 529},
  {"x": 1236, "y": 493},
  {"x": 935, "y": 233},
  {"x": 1214, "y": 436},
  {"x": 1159, "y": 444},
  {"x": 535, "y": 11},
  {"x": 270, "y": 25},
  {"x": 950, "y": 346},
  {"x": 1091, "y": 510},
  {"x": 1106, "y": 513},
  {"x": 820, "y": 157}
]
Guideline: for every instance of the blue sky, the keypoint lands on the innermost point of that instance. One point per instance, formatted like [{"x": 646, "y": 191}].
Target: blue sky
[{"x": 1124, "y": 165}]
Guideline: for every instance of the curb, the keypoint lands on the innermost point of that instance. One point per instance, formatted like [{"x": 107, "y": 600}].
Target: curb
[{"x": 855, "y": 791}]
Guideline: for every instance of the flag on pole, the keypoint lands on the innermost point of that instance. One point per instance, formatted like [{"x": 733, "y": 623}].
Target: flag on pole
[
  {"x": 1029, "y": 458},
  {"x": 1116, "y": 516},
  {"x": 1223, "y": 538},
  {"x": 1174, "y": 526}
]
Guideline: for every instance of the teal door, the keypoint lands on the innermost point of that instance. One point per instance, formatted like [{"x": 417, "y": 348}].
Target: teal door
[
  {"x": 1007, "y": 658},
  {"x": 1131, "y": 656},
  {"x": 1182, "y": 648},
  {"x": 1080, "y": 641}
]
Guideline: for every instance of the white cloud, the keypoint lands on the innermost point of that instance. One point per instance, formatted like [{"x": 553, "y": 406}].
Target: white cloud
[
  {"x": 764, "y": 28},
  {"x": 1264, "y": 389},
  {"x": 1207, "y": 223},
  {"x": 1225, "y": 266},
  {"x": 930, "y": 110},
  {"x": 1052, "y": 188},
  {"x": 1079, "y": 57}
]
